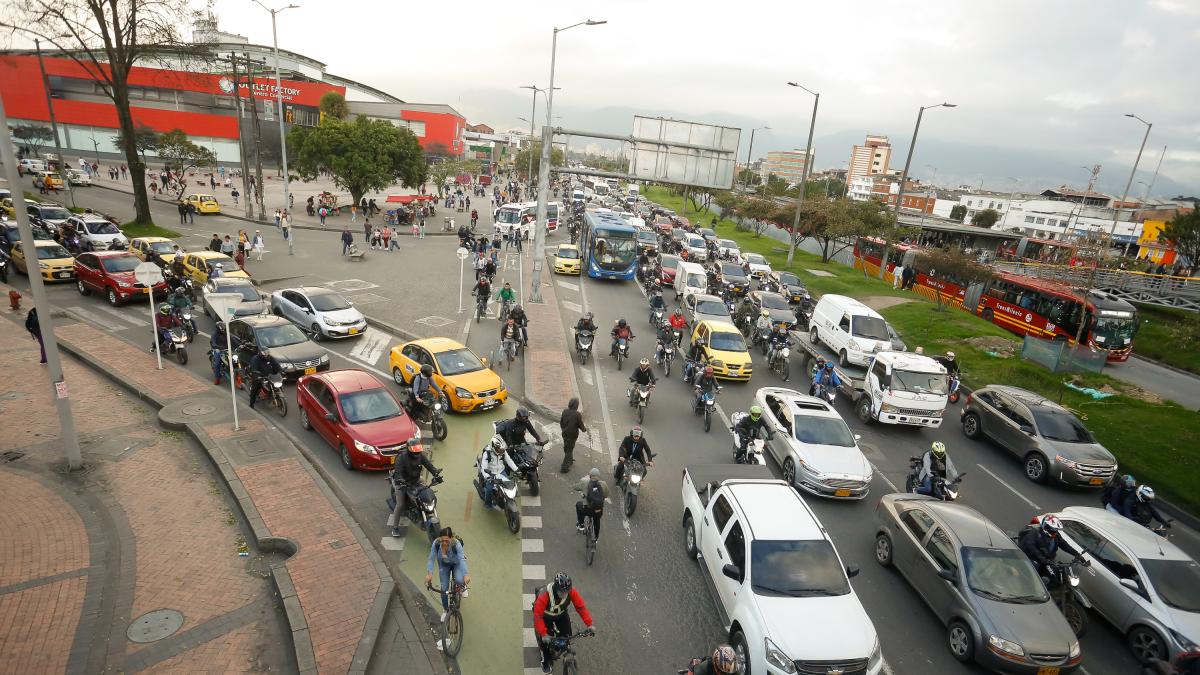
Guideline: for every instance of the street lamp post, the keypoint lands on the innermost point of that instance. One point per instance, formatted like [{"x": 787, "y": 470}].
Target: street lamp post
[
  {"x": 904, "y": 177},
  {"x": 287, "y": 204},
  {"x": 812, "y": 123},
  {"x": 532, "y": 117},
  {"x": 750, "y": 153},
  {"x": 1112, "y": 232},
  {"x": 62, "y": 161},
  {"x": 539, "y": 229}
]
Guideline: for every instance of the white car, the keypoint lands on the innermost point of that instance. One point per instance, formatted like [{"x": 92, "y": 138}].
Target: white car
[
  {"x": 97, "y": 233},
  {"x": 759, "y": 267},
  {"x": 77, "y": 177},
  {"x": 30, "y": 165},
  {"x": 727, "y": 249},
  {"x": 696, "y": 248},
  {"x": 319, "y": 311},
  {"x": 818, "y": 452},
  {"x": 253, "y": 303}
]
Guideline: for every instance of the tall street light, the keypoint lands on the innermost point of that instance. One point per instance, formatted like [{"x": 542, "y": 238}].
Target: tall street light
[
  {"x": 287, "y": 204},
  {"x": 904, "y": 177},
  {"x": 804, "y": 175},
  {"x": 1112, "y": 232},
  {"x": 532, "y": 117},
  {"x": 750, "y": 153},
  {"x": 539, "y": 229}
]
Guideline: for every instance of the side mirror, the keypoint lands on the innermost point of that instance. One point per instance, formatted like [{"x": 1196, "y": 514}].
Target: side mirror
[
  {"x": 1026, "y": 429},
  {"x": 733, "y": 572},
  {"x": 947, "y": 575},
  {"x": 858, "y": 437},
  {"x": 484, "y": 361},
  {"x": 1127, "y": 583},
  {"x": 331, "y": 417},
  {"x": 851, "y": 571}
]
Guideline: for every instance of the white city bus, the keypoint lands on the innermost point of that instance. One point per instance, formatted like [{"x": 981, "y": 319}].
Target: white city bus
[{"x": 595, "y": 187}]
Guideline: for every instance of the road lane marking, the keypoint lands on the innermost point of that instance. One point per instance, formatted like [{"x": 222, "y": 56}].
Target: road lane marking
[
  {"x": 392, "y": 543},
  {"x": 124, "y": 316},
  {"x": 531, "y": 500},
  {"x": 531, "y": 522},
  {"x": 587, "y": 376},
  {"x": 1013, "y": 489},
  {"x": 532, "y": 546},
  {"x": 575, "y": 307},
  {"x": 533, "y": 572},
  {"x": 568, "y": 285},
  {"x": 883, "y": 477},
  {"x": 371, "y": 346},
  {"x": 530, "y": 640},
  {"x": 99, "y": 321}
]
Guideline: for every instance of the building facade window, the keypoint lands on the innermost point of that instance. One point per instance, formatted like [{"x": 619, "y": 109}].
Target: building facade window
[
  {"x": 1040, "y": 221},
  {"x": 1029, "y": 219}
]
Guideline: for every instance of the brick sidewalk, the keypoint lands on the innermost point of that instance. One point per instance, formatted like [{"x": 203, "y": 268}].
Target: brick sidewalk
[
  {"x": 146, "y": 527},
  {"x": 551, "y": 351}
]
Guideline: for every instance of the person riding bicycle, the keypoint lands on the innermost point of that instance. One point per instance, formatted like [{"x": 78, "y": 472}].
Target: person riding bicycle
[
  {"x": 935, "y": 463},
  {"x": 261, "y": 367},
  {"x": 724, "y": 661},
  {"x": 705, "y": 383},
  {"x": 447, "y": 552},
  {"x": 642, "y": 376},
  {"x": 406, "y": 474},
  {"x": 424, "y": 390},
  {"x": 633, "y": 447},
  {"x": 482, "y": 290},
  {"x": 493, "y": 462},
  {"x": 1042, "y": 542},
  {"x": 518, "y": 315},
  {"x": 595, "y": 491},
  {"x": 748, "y": 428},
  {"x": 777, "y": 340},
  {"x": 550, "y": 617},
  {"x": 506, "y": 295},
  {"x": 1139, "y": 507},
  {"x": 827, "y": 379},
  {"x": 510, "y": 333},
  {"x": 513, "y": 431},
  {"x": 665, "y": 337},
  {"x": 621, "y": 331}
]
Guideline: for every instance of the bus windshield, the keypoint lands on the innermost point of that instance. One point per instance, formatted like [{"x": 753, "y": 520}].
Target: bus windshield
[
  {"x": 508, "y": 216},
  {"x": 613, "y": 250},
  {"x": 1114, "y": 330}
]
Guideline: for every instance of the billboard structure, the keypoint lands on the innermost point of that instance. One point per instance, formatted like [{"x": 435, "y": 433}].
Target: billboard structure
[{"x": 684, "y": 153}]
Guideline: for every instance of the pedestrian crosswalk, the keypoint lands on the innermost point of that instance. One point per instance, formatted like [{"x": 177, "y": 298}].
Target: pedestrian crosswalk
[
  {"x": 125, "y": 316},
  {"x": 108, "y": 319}
]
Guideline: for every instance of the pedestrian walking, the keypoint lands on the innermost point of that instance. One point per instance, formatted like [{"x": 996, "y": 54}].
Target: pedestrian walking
[
  {"x": 212, "y": 182},
  {"x": 285, "y": 228},
  {"x": 35, "y": 330},
  {"x": 571, "y": 424},
  {"x": 191, "y": 213},
  {"x": 259, "y": 245},
  {"x": 124, "y": 171},
  {"x": 243, "y": 241},
  {"x": 278, "y": 217},
  {"x": 366, "y": 226},
  {"x": 322, "y": 213},
  {"x": 897, "y": 276},
  {"x": 421, "y": 227},
  {"x": 347, "y": 240},
  {"x": 386, "y": 236},
  {"x": 354, "y": 216},
  {"x": 183, "y": 210},
  {"x": 240, "y": 259},
  {"x": 235, "y": 194}
]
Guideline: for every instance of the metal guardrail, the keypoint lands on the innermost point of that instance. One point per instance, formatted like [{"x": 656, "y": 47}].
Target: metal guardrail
[{"x": 1153, "y": 289}]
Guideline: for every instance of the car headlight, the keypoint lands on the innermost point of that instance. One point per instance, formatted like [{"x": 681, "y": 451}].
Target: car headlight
[
  {"x": 1184, "y": 643},
  {"x": 1007, "y": 646},
  {"x": 1074, "y": 650},
  {"x": 888, "y": 408},
  {"x": 777, "y": 658},
  {"x": 1069, "y": 463},
  {"x": 43, "y": 265},
  {"x": 363, "y": 447},
  {"x": 853, "y": 344},
  {"x": 717, "y": 364},
  {"x": 462, "y": 393},
  {"x": 324, "y": 358},
  {"x": 416, "y": 436},
  {"x": 328, "y": 321},
  {"x": 287, "y": 366},
  {"x": 877, "y": 655}
]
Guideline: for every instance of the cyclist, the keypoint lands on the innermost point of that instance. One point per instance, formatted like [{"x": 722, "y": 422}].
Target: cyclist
[
  {"x": 510, "y": 334},
  {"x": 550, "y": 617},
  {"x": 595, "y": 491},
  {"x": 506, "y": 296},
  {"x": 447, "y": 552}
]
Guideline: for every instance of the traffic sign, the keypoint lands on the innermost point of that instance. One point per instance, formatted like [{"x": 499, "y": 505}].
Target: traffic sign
[
  {"x": 224, "y": 304},
  {"x": 463, "y": 253},
  {"x": 147, "y": 274}
]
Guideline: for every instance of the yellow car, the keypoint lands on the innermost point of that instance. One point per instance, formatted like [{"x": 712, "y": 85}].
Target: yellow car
[
  {"x": 567, "y": 260},
  {"x": 466, "y": 379},
  {"x": 48, "y": 180},
  {"x": 54, "y": 260},
  {"x": 203, "y": 203},
  {"x": 199, "y": 265},
  {"x": 723, "y": 347},
  {"x": 142, "y": 246}
]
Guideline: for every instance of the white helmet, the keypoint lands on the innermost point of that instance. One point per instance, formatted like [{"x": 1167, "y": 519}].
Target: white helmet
[{"x": 498, "y": 444}]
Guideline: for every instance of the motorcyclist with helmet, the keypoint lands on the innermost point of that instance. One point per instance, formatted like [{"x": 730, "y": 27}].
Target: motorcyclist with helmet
[
  {"x": 406, "y": 474},
  {"x": 586, "y": 322},
  {"x": 1041, "y": 543},
  {"x": 643, "y": 376},
  {"x": 1139, "y": 507},
  {"x": 935, "y": 463},
  {"x": 550, "y": 616},
  {"x": 494, "y": 463},
  {"x": 513, "y": 431},
  {"x": 262, "y": 366},
  {"x": 164, "y": 321},
  {"x": 424, "y": 389},
  {"x": 948, "y": 362},
  {"x": 620, "y": 331},
  {"x": 745, "y": 311},
  {"x": 665, "y": 336},
  {"x": 705, "y": 383},
  {"x": 724, "y": 661},
  {"x": 826, "y": 379},
  {"x": 777, "y": 340},
  {"x": 1115, "y": 493},
  {"x": 762, "y": 325},
  {"x": 678, "y": 321},
  {"x": 218, "y": 343},
  {"x": 633, "y": 447},
  {"x": 748, "y": 428}
]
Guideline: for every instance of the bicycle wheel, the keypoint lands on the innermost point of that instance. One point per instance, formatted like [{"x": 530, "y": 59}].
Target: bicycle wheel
[
  {"x": 452, "y": 633},
  {"x": 569, "y": 667},
  {"x": 589, "y": 551}
]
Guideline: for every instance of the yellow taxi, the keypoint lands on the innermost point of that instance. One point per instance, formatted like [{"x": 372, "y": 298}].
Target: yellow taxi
[
  {"x": 143, "y": 246},
  {"x": 723, "y": 347},
  {"x": 567, "y": 259},
  {"x": 48, "y": 180},
  {"x": 466, "y": 379},
  {"x": 203, "y": 203},
  {"x": 199, "y": 265},
  {"x": 54, "y": 260}
]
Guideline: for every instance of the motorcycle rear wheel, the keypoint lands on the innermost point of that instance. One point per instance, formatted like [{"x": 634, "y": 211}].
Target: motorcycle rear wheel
[{"x": 439, "y": 428}]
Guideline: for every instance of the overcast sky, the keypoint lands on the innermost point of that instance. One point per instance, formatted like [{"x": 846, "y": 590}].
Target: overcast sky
[{"x": 1041, "y": 86}]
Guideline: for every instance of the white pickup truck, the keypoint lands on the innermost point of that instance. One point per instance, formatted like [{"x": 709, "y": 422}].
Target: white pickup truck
[{"x": 782, "y": 590}]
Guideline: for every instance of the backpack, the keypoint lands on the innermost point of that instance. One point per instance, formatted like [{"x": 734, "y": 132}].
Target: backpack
[{"x": 594, "y": 494}]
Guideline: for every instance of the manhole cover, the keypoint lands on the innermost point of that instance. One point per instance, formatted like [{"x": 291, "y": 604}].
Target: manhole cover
[
  {"x": 197, "y": 409},
  {"x": 156, "y": 625},
  {"x": 350, "y": 285}
]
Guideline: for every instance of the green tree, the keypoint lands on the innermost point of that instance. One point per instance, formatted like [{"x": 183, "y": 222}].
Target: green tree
[
  {"x": 955, "y": 266},
  {"x": 106, "y": 38},
  {"x": 776, "y": 186},
  {"x": 985, "y": 218},
  {"x": 748, "y": 177},
  {"x": 181, "y": 155},
  {"x": 145, "y": 139},
  {"x": 759, "y": 212},
  {"x": 1183, "y": 233},
  {"x": 834, "y": 223},
  {"x": 521, "y": 163},
  {"x": 33, "y": 135},
  {"x": 333, "y": 104},
  {"x": 958, "y": 212},
  {"x": 361, "y": 156},
  {"x": 440, "y": 171}
]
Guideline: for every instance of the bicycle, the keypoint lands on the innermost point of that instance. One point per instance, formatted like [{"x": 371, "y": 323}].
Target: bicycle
[
  {"x": 450, "y": 634},
  {"x": 481, "y": 304},
  {"x": 560, "y": 647},
  {"x": 510, "y": 351},
  {"x": 589, "y": 539}
]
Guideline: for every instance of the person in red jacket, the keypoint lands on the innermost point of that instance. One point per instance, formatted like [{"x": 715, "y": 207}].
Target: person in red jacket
[{"x": 551, "y": 618}]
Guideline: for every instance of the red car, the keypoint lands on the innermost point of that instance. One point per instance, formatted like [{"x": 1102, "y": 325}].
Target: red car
[
  {"x": 357, "y": 415},
  {"x": 668, "y": 264},
  {"x": 111, "y": 273}
]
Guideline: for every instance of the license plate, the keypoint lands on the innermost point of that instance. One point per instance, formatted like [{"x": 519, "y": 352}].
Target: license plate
[
  {"x": 392, "y": 459},
  {"x": 353, "y": 331},
  {"x": 145, "y": 290},
  {"x": 1096, "y": 481},
  {"x": 309, "y": 371},
  {"x": 1048, "y": 670},
  {"x": 62, "y": 275},
  {"x": 841, "y": 492}
]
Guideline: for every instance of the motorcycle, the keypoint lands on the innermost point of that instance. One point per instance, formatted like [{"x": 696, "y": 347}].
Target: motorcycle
[
  {"x": 271, "y": 390},
  {"x": 825, "y": 393},
  {"x": 621, "y": 352},
  {"x": 184, "y": 316},
  {"x": 941, "y": 488},
  {"x": 528, "y": 457},
  {"x": 665, "y": 354},
  {"x": 754, "y": 448},
  {"x": 583, "y": 345},
  {"x": 761, "y": 338},
  {"x": 1064, "y": 590},
  {"x": 504, "y": 498},
  {"x": 3, "y": 268},
  {"x": 420, "y": 506},
  {"x": 173, "y": 341},
  {"x": 220, "y": 365},
  {"x": 954, "y": 383},
  {"x": 639, "y": 397},
  {"x": 706, "y": 404},
  {"x": 631, "y": 481},
  {"x": 656, "y": 315},
  {"x": 779, "y": 362}
]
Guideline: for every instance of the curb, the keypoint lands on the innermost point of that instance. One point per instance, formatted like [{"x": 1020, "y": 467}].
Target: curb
[{"x": 391, "y": 328}]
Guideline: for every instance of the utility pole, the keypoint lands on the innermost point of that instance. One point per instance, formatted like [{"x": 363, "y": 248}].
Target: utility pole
[
  {"x": 887, "y": 245},
  {"x": 58, "y": 389},
  {"x": 808, "y": 160},
  {"x": 62, "y": 161},
  {"x": 258, "y": 174},
  {"x": 237, "y": 95}
]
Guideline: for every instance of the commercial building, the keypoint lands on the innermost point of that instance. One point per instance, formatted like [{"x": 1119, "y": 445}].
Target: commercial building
[
  {"x": 786, "y": 164},
  {"x": 869, "y": 159},
  {"x": 204, "y": 98}
]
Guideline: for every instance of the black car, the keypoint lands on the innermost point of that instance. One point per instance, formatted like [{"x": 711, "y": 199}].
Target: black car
[
  {"x": 776, "y": 306},
  {"x": 289, "y": 346},
  {"x": 734, "y": 278},
  {"x": 12, "y": 235},
  {"x": 790, "y": 286}
]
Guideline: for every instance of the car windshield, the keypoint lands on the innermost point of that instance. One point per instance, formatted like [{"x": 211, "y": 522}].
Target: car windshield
[
  {"x": 371, "y": 405},
  {"x": 668, "y": 262},
  {"x": 919, "y": 383},
  {"x": 727, "y": 243},
  {"x": 248, "y": 292},
  {"x": 120, "y": 263},
  {"x": 772, "y": 301},
  {"x": 870, "y": 328},
  {"x": 789, "y": 279},
  {"x": 696, "y": 281},
  {"x": 728, "y": 342},
  {"x": 643, "y": 235},
  {"x": 695, "y": 242},
  {"x": 733, "y": 270},
  {"x": 568, "y": 254},
  {"x": 1114, "y": 329},
  {"x": 55, "y": 213},
  {"x": 279, "y": 336},
  {"x": 1003, "y": 575},
  {"x": 1061, "y": 426},
  {"x": 707, "y": 232},
  {"x": 823, "y": 431},
  {"x": 328, "y": 302},
  {"x": 457, "y": 362},
  {"x": 102, "y": 227},
  {"x": 227, "y": 263},
  {"x": 796, "y": 569},
  {"x": 1175, "y": 581},
  {"x": 52, "y": 252},
  {"x": 755, "y": 259},
  {"x": 162, "y": 247},
  {"x": 712, "y": 307}
]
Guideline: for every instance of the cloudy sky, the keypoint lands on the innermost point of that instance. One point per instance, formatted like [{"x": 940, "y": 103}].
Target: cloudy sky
[{"x": 1041, "y": 87}]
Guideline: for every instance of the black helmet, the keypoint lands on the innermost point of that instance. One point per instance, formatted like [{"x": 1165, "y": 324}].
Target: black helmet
[
  {"x": 427, "y": 370},
  {"x": 522, "y": 414},
  {"x": 562, "y": 582},
  {"x": 621, "y": 323}
]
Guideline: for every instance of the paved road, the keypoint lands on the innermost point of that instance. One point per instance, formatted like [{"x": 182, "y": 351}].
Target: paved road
[{"x": 1170, "y": 384}]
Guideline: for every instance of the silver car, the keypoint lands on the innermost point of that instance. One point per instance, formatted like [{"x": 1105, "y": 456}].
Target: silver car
[
  {"x": 812, "y": 443},
  {"x": 1139, "y": 582},
  {"x": 996, "y": 609},
  {"x": 253, "y": 303},
  {"x": 703, "y": 307},
  {"x": 1048, "y": 438},
  {"x": 320, "y": 311}
]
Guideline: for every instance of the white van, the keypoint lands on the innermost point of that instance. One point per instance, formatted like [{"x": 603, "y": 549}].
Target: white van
[
  {"x": 690, "y": 279},
  {"x": 850, "y": 329}
]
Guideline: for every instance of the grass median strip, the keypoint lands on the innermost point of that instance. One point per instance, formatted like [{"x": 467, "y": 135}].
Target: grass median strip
[
  {"x": 1171, "y": 336},
  {"x": 133, "y": 230},
  {"x": 1154, "y": 440}
]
